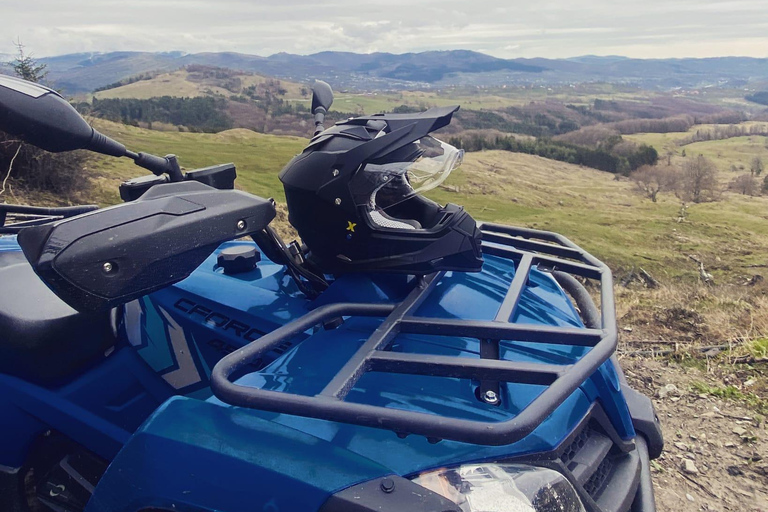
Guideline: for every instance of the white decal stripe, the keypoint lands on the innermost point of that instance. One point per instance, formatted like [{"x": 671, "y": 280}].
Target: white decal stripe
[
  {"x": 132, "y": 315},
  {"x": 187, "y": 373}
]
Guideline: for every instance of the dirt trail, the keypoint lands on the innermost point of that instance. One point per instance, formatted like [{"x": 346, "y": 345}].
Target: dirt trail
[{"x": 715, "y": 455}]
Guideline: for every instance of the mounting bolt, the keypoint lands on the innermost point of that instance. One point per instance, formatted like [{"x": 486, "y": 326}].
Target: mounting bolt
[
  {"x": 387, "y": 485},
  {"x": 240, "y": 225},
  {"x": 108, "y": 267},
  {"x": 335, "y": 172},
  {"x": 490, "y": 397},
  {"x": 338, "y": 201}
]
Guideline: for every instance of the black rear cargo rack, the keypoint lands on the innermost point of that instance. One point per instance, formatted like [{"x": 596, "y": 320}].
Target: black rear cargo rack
[{"x": 527, "y": 248}]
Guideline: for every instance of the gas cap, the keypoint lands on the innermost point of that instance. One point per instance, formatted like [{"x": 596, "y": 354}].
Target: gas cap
[{"x": 239, "y": 258}]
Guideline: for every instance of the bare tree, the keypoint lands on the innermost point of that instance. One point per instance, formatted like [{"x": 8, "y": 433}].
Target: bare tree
[
  {"x": 698, "y": 182},
  {"x": 744, "y": 184},
  {"x": 756, "y": 168},
  {"x": 653, "y": 179}
]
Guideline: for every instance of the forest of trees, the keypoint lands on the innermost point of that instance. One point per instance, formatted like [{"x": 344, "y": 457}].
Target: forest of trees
[
  {"x": 203, "y": 114},
  {"x": 760, "y": 97},
  {"x": 604, "y": 158}
]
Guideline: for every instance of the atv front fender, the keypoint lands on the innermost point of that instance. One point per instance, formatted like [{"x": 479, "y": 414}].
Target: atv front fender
[{"x": 200, "y": 456}]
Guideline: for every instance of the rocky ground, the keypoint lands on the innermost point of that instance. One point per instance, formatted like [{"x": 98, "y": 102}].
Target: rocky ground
[{"x": 716, "y": 453}]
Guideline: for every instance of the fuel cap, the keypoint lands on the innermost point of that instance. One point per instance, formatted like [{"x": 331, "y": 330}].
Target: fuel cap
[{"x": 239, "y": 258}]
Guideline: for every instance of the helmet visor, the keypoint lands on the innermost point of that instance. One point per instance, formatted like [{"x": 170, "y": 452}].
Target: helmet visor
[
  {"x": 434, "y": 165},
  {"x": 393, "y": 183}
]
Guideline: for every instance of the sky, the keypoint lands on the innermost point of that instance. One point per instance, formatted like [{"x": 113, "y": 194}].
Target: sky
[{"x": 503, "y": 28}]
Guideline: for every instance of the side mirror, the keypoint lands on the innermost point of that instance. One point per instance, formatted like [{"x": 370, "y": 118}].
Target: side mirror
[
  {"x": 40, "y": 116},
  {"x": 322, "y": 96},
  {"x": 101, "y": 259},
  {"x": 322, "y": 99}
]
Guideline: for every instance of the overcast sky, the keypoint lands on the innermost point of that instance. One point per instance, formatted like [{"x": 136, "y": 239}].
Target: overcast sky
[{"x": 504, "y": 28}]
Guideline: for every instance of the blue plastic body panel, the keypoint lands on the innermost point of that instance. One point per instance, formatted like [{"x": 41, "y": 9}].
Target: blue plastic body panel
[
  {"x": 197, "y": 454},
  {"x": 100, "y": 410}
]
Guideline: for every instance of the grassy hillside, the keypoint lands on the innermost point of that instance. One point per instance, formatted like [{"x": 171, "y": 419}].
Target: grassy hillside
[
  {"x": 258, "y": 157},
  {"x": 181, "y": 83},
  {"x": 738, "y": 151},
  {"x": 608, "y": 218}
]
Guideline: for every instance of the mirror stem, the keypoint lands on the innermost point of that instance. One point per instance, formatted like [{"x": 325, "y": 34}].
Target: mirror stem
[
  {"x": 319, "y": 118},
  {"x": 158, "y": 165}
]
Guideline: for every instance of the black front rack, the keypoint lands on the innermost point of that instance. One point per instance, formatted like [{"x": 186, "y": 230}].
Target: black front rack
[
  {"x": 15, "y": 217},
  {"x": 527, "y": 248}
]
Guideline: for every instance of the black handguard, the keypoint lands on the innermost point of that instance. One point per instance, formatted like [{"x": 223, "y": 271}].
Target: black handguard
[{"x": 111, "y": 256}]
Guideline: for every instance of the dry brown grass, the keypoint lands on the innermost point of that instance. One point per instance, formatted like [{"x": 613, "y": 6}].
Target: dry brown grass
[
  {"x": 282, "y": 226},
  {"x": 698, "y": 315}
]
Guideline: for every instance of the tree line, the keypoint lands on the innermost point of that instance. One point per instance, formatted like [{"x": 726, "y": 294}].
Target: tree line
[
  {"x": 201, "y": 114},
  {"x": 724, "y": 132},
  {"x": 604, "y": 158}
]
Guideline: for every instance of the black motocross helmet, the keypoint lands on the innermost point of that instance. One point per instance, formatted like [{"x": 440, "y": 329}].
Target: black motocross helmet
[{"x": 354, "y": 197}]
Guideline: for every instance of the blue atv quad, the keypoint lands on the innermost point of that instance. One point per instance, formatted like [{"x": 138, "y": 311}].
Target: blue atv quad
[{"x": 172, "y": 353}]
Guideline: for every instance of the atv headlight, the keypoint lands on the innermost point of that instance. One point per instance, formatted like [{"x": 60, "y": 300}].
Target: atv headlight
[{"x": 503, "y": 488}]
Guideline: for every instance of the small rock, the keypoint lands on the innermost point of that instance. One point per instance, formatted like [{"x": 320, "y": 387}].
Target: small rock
[
  {"x": 734, "y": 471},
  {"x": 681, "y": 446},
  {"x": 749, "y": 383},
  {"x": 739, "y": 431},
  {"x": 730, "y": 445},
  {"x": 669, "y": 389},
  {"x": 693, "y": 437},
  {"x": 689, "y": 497},
  {"x": 689, "y": 467},
  {"x": 627, "y": 329}
]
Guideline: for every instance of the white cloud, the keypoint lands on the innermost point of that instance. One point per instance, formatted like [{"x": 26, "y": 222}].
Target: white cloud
[{"x": 506, "y": 28}]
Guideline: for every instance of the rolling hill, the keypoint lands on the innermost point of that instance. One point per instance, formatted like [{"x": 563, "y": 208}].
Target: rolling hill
[{"x": 189, "y": 83}]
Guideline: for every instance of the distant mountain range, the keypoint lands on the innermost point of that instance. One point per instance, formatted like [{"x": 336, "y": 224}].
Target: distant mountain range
[{"x": 78, "y": 73}]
